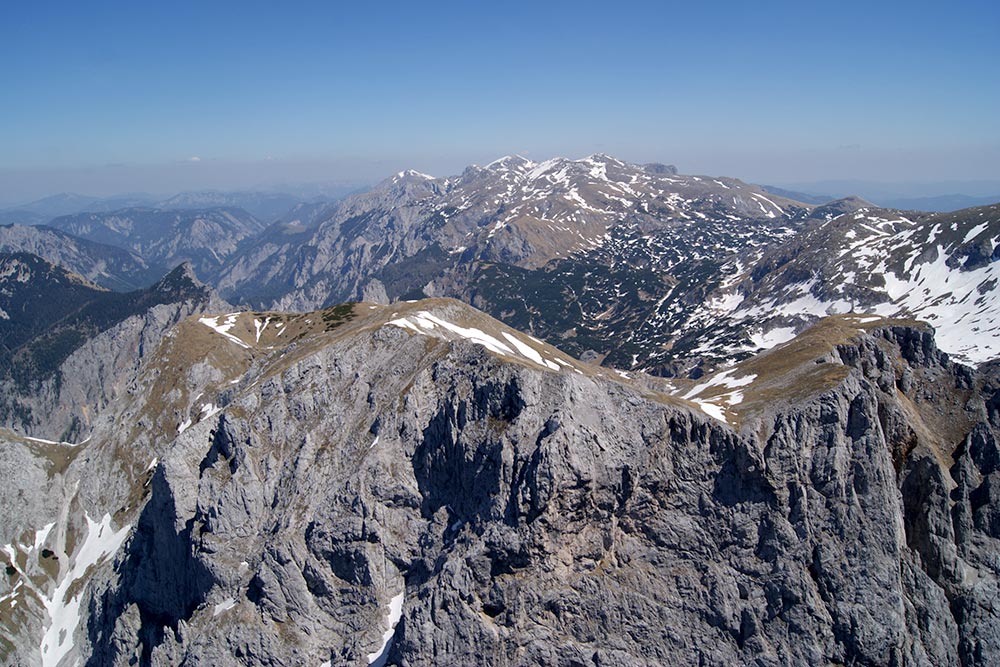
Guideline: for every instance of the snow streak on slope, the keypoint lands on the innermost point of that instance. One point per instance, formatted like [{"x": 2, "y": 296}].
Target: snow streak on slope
[
  {"x": 379, "y": 657},
  {"x": 717, "y": 399},
  {"x": 939, "y": 268},
  {"x": 428, "y": 324},
  {"x": 63, "y": 610},
  {"x": 224, "y": 327}
]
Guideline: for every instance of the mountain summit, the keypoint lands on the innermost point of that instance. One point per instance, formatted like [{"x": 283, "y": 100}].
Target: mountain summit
[
  {"x": 539, "y": 244},
  {"x": 418, "y": 483}
]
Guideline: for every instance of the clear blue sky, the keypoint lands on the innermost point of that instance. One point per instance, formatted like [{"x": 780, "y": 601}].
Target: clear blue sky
[{"x": 121, "y": 96}]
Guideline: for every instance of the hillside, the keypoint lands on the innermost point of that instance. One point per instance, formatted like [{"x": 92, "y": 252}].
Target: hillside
[
  {"x": 940, "y": 268},
  {"x": 420, "y": 484},
  {"x": 65, "y": 343},
  {"x": 164, "y": 237},
  {"x": 105, "y": 265}
]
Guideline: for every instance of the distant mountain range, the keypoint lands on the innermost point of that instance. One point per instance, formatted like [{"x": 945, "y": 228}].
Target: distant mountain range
[
  {"x": 928, "y": 197},
  {"x": 541, "y": 246},
  {"x": 165, "y": 238},
  {"x": 265, "y": 206},
  {"x": 573, "y": 412},
  {"x": 106, "y": 265}
]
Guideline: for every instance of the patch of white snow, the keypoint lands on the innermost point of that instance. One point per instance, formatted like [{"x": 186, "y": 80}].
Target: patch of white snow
[
  {"x": 379, "y": 657},
  {"x": 225, "y": 605},
  {"x": 224, "y": 327},
  {"x": 64, "y": 614}
]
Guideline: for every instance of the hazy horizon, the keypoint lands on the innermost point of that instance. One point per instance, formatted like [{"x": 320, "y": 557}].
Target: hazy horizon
[
  {"x": 309, "y": 179},
  {"x": 109, "y": 98}
]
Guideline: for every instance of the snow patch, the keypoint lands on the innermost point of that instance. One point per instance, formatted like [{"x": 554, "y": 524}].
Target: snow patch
[
  {"x": 865, "y": 319},
  {"x": 42, "y": 534},
  {"x": 424, "y": 322},
  {"x": 715, "y": 406},
  {"x": 530, "y": 352},
  {"x": 975, "y": 231},
  {"x": 769, "y": 214},
  {"x": 225, "y": 605},
  {"x": 224, "y": 327},
  {"x": 210, "y": 410},
  {"x": 260, "y": 326},
  {"x": 64, "y": 614},
  {"x": 54, "y": 442},
  {"x": 723, "y": 379},
  {"x": 772, "y": 338},
  {"x": 379, "y": 657},
  {"x": 725, "y": 303}
]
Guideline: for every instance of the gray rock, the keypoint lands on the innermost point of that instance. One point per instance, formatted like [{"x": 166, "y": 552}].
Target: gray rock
[{"x": 534, "y": 517}]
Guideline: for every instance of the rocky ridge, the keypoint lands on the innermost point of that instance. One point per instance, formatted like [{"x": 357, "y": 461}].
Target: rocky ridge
[
  {"x": 165, "y": 237},
  {"x": 419, "y": 484},
  {"x": 69, "y": 348}
]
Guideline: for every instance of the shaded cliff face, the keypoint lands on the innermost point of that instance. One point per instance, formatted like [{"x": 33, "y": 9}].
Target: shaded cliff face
[
  {"x": 417, "y": 484},
  {"x": 105, "y": 265},
  {"x": 69, "y": 348}
]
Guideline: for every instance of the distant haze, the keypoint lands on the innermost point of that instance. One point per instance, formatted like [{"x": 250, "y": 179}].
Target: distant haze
[{"x": 116, "y": 97}]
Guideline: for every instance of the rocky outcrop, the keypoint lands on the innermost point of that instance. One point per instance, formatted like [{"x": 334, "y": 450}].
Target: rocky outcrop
[
  {"x": 373, "y": 495},
  {"x": 108, "y": 343},
  {"x": 104, "y": 265}
]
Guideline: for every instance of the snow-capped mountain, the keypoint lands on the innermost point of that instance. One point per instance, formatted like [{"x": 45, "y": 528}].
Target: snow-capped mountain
[
  {"x": 941, "y": 268},
  {"x": 540, "y": 245}
]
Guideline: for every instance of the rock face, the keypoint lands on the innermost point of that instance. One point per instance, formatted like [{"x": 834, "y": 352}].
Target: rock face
[
  {"x": 417, "y": 484},
  {"x": 108, "y": 266},
  {"x": 69, "y": 349},
  {"x": 167, "y": 237}
]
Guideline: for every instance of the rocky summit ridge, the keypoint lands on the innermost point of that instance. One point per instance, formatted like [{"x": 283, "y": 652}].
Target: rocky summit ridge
[
  {"x": 636, "y": 266},
  {"x": 666, "y": 419},
  {"x": 417, "y": 483}
]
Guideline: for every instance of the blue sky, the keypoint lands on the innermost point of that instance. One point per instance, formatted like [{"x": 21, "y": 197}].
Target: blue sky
[{"x": 121, "y": 96}]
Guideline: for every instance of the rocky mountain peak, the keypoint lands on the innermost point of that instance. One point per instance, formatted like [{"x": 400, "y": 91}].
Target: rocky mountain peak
[
  {"x": 660, "y": 169},
  {"x": 423, "y": 472},
  {"x": 181, "y": 279}
]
